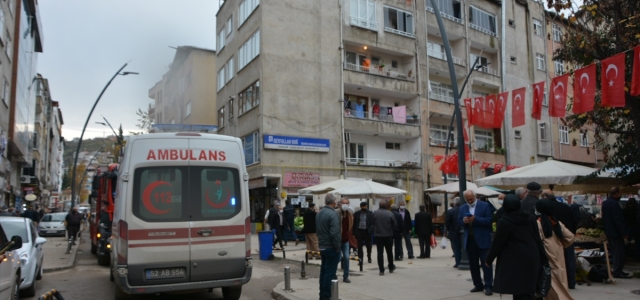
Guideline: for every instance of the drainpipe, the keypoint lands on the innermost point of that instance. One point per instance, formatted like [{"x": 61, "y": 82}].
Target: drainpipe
[
  {"x": 428, "y": 114},
  {"x": 503, "y": 68},
  {"x": 341, "y": 101},
  {"x": 546, "y": 79}
]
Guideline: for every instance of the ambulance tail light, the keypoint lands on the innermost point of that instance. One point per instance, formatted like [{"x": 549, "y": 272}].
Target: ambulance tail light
[
  {"x": 247, "y": 238},
  {"x": 123, "y": 242}
]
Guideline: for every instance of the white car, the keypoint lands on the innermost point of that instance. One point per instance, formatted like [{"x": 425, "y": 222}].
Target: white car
[
  {"x": 52, "y": 224},
  {"x": 9, "y": 266},
  {"x": 30, "y": 254}
]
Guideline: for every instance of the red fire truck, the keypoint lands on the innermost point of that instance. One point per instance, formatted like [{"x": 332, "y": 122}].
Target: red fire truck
[{"x": 102, "y": 194}]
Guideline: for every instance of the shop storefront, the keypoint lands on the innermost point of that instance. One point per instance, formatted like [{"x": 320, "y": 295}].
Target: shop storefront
[{"x": 262, "y": 192}]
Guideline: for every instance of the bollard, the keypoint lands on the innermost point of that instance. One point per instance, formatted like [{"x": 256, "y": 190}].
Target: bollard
[
  {"x": 306, "y": 256},
  {"x": 287, "y": 278},
  {"x": 284, "y": 254},
  {"x": 334, "y": 289},
  {"x": 303, "y": 271}
]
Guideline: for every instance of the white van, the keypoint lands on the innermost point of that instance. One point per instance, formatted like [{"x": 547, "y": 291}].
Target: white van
[{"x": 181, "y": 219}]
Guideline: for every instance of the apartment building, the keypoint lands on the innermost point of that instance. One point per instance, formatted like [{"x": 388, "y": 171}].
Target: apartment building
[
  {"x": 7, "y": 24},
  {"x": 186, "y": 94}
]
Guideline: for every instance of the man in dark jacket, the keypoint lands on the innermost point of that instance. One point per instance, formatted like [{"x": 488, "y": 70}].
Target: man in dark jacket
[
  {"x": 397, "y": 233},
  {"x": 289, "y": 216},
  {"x": 453, "y": 230},
  {"x": 328, "y": 232},
  {"x": 424, "y": 228},
  {"x": 566, "y": 217},
  {"x": 74, "y": 219},
  {"x": 383, "y": 224},
  {"x": 406, "y": 233},
  {"x": 362, "y": 229},
  {"x": 615, "y": 230},
  {"x": 276, "y": 222},
  {"x": 309, "y": 229},
  {"x": 528, "y": 204}
]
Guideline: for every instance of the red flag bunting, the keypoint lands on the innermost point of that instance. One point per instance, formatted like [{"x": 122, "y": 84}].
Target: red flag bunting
[
  {"x": 635, "y": 79},
  {"x": 517, "y": 106},
  {"x": 469, "y": 108},
  {"x": 438, "y": 158},
  {"x": 490, "y": 110},
  {"x": 500, "y": 107},
  {"x": 509, "y": 168},
  {"x": 558, "y": 99},
  {"x": 466, "y": 133},
  {"x": 450, "y": 164},
  {"x": 478, "y": 111},
  {"x": 613, "y": 81},
  {"x": 497, "y": 168},
  {"x": 474, "y": 162},
  {"x": 485, "y": 165},
  {"x": 584, "y": 89},
  {"x": 538, "y": 97},
  {"x": 467, "y": 152}
]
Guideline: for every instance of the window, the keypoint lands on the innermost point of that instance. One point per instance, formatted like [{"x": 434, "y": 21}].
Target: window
[
  {"x": 545, "y": 99},
  {"x": 392, "y": 146},
  {"x": 356, "y": 153},
  {"x": 441, "y": 92},
  {"x": 540, "y": 65},
  {"x": 584, "y": 138},
  {"x": 438, "y": 135},
  {"x": 1, "y": 22},
  {"x": 8, "y": 49},
  {"x": 220, "y": 40},
  {"x": 514, "y": 60},
  {"x": 564, "y": 134},
  {"x": 557, "y": 33},
  {"x": 483, "y": 61},
  {"x": 159, "y": 118},
  {"x": 398, "y": 21},
  {"x": 159, "y": 96},
  {"x": 559, "y": 67},
  {"x": 484, "y": 140},
  {"x": 436, "y": 50},
  {"x": 518, "y": 134},
  {"x": 249, "y": 50},
  {"x": 230, "y": 108},
  {"x": 537, "y": 27},
  {"x": 245, "y": 9},
  {"x": 221, "y": 80},
  {"x": 251, "y": 145},
  {"x": 363, "y": 14},
  {"x": 221, "y": 117},
  {"x": 512, "y": 23},
  {"x": 482, "y": 21},
  {"x": 230, "y": 26},
  {"x": 394, "y": 64},
  {"x": 452, "y": 177},
  {"x": 543, "y": 131},
  {"x": 249, "y": 98},
  {"x": 187, "y": 109},
  {"x": 450, "y": 9},
  {"x": 229, "y": 69},
  {"x": 5, "y": 92}
]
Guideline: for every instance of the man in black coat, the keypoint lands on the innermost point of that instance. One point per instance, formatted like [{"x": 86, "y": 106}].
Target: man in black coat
[
  {"x": 406, "y": 234},
  {"x": 616, "y": 231},
  {"x": 564, "y": 214},
  {"x": 74, "y": 219},
  {"x": 397, "y": 233},
  {"x": 363, "y": 229},
  {"x": 276, "y": 222},
  {"x": 289, "y": 226},
  {"x": 528, "y": 204},
  {"x": 453, "y": 230},
  {"x": 309, "y": 230},
  {"x": 424, "y": 229}
]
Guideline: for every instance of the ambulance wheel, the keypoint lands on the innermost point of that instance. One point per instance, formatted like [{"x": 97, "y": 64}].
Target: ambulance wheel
[
  {"x": 104, "y": 259},
  {"x": 232, "y": 293}
]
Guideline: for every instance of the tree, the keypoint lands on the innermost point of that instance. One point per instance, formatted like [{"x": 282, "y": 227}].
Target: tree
[
  {"x": 82, "y": 192},
  {"x": 66, "y": 181},
  {"x": 145, "y": 122},
  {"x": 597, "y": 30}
]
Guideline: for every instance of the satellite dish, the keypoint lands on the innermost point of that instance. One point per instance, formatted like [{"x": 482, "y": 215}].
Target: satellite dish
[{"x": 30, "y": 197}]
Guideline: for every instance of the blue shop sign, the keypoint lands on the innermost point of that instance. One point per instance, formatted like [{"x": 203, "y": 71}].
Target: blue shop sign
[{"x": 295, "y": 143}]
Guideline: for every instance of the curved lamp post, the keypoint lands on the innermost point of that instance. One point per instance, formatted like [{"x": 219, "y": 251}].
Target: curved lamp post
[{"x": 75, "y": 160}]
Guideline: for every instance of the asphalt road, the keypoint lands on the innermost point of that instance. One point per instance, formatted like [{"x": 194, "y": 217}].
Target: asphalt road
[{"x": 88, "y": 280}]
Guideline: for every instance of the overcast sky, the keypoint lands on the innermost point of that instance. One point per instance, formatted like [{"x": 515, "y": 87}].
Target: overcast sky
[{"x": 86, "y": 42}]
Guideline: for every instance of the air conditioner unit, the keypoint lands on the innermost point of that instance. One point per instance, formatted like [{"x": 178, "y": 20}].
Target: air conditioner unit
[
  {"x": 347, "y": 137},
  {"x": 25, "y": 179}
]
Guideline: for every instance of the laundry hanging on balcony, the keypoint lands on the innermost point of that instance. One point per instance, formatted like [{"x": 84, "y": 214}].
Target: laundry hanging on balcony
[{"x": 400, "y": 114}]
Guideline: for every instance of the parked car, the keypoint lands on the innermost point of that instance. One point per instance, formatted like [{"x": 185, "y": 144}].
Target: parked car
[
  {"x": 30, "y": 254},
  {"x": 52, "y": 224},
  {"x": 9, "y": 266}
]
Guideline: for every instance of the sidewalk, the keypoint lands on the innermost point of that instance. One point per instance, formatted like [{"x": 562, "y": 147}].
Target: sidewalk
[
  {"x": 433, "y": 278},
  {"x": 55, "y": 258}
]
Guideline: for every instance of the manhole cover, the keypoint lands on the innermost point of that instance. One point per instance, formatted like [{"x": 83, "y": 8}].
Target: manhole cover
[{"x": 636, "y": 292}]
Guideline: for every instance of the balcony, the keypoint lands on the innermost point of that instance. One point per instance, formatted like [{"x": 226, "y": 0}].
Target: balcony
[
  {"x": 364, "y": 23},
  {"x": 399, "y": 32},
  {"x": 489, "y": 71},
  {"x": 384, "y": 163},
  {"x": 408, "y": 120},
  {"x": 483, "y": 30},
  {"x": 440, "y": 94},
  {"x": 445, "y": 15},
  {"x": 380, "y": 124},
  {"x": 443, "y": 56},
  {"x": 380, "y": 72}
]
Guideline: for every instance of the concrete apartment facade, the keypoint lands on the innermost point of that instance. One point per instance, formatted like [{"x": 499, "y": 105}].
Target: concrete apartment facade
[{"x": 186, "y": 94}]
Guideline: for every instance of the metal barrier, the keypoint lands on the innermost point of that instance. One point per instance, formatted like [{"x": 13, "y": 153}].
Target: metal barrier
[
  {"x": 306, "y": 258},
  {"x": 306, "y": 255},
  {"x": 284, "y": 254},
  {"x": 334, "y": 290},
  {"x": 287, "y": 278},
  {"x": 303, "y": 270},
  {"x": 51, "y": 295}
]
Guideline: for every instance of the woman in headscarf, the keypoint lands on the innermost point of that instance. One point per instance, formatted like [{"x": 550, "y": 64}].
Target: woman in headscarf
[
  {"x": 519, "y": 251},
  {"x": 555, "y": 238}
]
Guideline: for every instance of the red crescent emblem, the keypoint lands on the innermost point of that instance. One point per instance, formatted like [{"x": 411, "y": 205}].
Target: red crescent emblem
[
  {"x": 217, "y": 205},
  {"x": 146, "y": 198}
]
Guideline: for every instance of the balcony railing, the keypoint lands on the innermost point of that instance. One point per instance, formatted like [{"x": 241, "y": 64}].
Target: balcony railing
[
  {"x": 350, "y": 113},
  {"x": 400, "y": 32},
  {"x": 383, "y": 163},
  {"x": 489, "y": 71},
  {"x": 364, "y": 23},
  {"x": 440, "y": 94},
  {"x": 379, "y": 71},
  {"x": 446, "y": 15},
  {"x": 483, "y": 30},
  {"x": 443, "y": 56}
]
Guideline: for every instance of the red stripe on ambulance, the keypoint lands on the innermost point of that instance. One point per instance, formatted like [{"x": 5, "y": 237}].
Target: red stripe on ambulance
[{"x": 186, "y": 154}]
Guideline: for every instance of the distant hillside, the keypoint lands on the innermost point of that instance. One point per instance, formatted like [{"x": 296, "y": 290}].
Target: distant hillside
[{"x": 87, "y": 145}]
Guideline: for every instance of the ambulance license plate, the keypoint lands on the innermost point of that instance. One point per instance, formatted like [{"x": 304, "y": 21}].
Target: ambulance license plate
[{"x": 165, "y": 273}]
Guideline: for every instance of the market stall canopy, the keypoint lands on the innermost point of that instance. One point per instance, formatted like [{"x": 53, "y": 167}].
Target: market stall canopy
[
  {"x": 370, "y": 189},
  {"x": 451, "y": 187},
  {"x": 326, "y": 187}
]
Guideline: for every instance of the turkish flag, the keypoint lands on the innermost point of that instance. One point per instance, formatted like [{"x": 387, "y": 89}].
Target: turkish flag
[
  {"x": 478, "y": 111},
  {"x": 509, "y": 168},
  {"x": 517, "y": 106},
  {"x": 485, "y": 165},
  {"x": 497, "y": 168},
  {"x": 635, "y": 79},
  {"x": 489, "y": 110},
  {"x": 613, "y": 81},
  {"x": 501, "y": 105},
  {"x": 538, "y": 97},
  {"x": 450, "y": 164},
  {"x": 466, "y": 134},
  {"x": 558, "y": 100},
  {"x": 474, "y": 162},
  {"x": 438, "y": 158},
  {"x": 467, "y": 153},
  {"x": 469, "y": 108},
  {"x": 584, "y": 89}
]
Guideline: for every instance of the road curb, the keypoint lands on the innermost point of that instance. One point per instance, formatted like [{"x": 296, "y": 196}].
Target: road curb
[
  {"x": 279, "y": 293},
  {"x": 70, "y": 264}
]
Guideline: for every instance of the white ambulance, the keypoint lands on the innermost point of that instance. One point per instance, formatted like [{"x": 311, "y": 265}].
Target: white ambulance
[{"x": 181, "y": 220}]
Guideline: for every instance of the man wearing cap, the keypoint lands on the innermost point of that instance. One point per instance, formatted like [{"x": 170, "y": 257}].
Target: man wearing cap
[
  {"x": 362, "y": 229},
  {"x": 528, "y": 204},
  {"x": 309, "y": 230}
]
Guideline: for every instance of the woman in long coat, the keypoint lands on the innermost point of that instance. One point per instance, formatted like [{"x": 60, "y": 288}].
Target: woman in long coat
[
  {"x": 555, "y": 238},
  {"x": 519, "y": 250}
]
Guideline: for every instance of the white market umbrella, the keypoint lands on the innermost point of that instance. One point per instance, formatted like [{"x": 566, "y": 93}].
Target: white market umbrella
[
  {"x": 370, "y": 189},
  {"x": 451, "y": 187},
  {"x": 486, "y": 192},
  {"x": 326, "y": 187}
]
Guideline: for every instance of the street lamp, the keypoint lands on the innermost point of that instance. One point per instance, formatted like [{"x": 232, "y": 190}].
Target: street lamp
[
  {"x": 106, "y": 123},
  {"x": 75, "y": 160}
]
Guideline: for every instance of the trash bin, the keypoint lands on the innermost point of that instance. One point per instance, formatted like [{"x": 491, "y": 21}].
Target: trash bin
[{"x": 265, "y": 239}]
